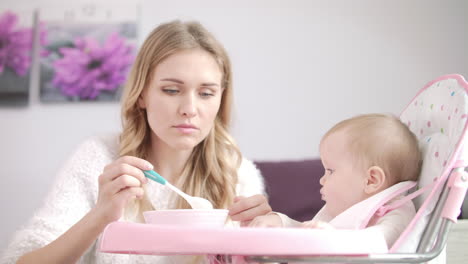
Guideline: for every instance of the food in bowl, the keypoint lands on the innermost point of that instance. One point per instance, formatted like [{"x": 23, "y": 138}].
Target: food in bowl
[{"x": 187, "y": 217}]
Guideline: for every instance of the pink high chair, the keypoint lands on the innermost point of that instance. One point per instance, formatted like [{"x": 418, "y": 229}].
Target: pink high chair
[{"x": 437, "y": 115}]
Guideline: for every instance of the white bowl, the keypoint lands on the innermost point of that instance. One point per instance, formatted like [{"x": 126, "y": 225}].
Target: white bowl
[{"x": 187, "y": 217}]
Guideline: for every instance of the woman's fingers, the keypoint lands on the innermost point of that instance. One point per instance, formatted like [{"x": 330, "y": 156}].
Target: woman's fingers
[
  {"x": 316, "y": 224},
  {"x": 126, "y": 165},
  {"x": 270, "y": 220},
  {"x": 136, "y": 162},
  {"x": 245, "y": 209},
  {"x": 122, "y": 182},
  {"x": 250, "y": 213},
  {"x": 125, "y": 195},
  {"x": 131, "y": 192}
]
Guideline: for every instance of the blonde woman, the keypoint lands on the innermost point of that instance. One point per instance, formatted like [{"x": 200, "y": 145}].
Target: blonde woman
[{"x": 176, "y": 111}]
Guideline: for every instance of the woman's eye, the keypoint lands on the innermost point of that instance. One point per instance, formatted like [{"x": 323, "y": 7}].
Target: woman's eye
[
  {"x": 170, "y": 91},
  {"x": 206, "y": 94},
  {"x": 330, "y": 171}
]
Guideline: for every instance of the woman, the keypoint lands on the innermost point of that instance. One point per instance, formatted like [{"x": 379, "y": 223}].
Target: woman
[{"x": 176, "y": 112}]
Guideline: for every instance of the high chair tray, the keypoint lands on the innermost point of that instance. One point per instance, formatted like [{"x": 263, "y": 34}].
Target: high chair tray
[{"x": 135, "y": 238}]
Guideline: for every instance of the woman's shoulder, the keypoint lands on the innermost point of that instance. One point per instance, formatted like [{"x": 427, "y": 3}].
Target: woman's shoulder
[
  {"x": 250, "y": 180},
  {"x": 248, "y": 167},
  {"x": 93, "y": 153},
  {"x": 104, "y": 141},
  {"x": 101, "y": 145}
]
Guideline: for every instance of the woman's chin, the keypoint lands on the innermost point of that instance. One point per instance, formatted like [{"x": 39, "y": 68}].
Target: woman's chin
[{"x": 184, "y": 145}]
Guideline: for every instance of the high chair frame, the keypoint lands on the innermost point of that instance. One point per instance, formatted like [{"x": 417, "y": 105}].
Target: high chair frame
[
  {"x": 432, "y": 243},
  {"x": 436, "y": 213},
  {"x": 434, "y": 238}
]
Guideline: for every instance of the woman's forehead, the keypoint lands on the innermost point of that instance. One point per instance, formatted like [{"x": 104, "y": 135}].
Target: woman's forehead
[{"x": 192, "y": 59}]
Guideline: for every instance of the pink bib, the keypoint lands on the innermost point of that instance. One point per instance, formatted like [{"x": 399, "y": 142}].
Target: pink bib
[{"x": 359, "y": 215}]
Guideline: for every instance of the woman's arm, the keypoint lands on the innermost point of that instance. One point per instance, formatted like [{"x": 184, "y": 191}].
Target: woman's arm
[
  {"x": 120, "y": 181},
  {"x": 70, "y": 246},
  {"x": 83, "y": 200}
]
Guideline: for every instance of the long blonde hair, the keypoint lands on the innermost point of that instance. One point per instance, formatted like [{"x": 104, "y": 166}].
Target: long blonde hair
[{"x": 211, "y": 170}]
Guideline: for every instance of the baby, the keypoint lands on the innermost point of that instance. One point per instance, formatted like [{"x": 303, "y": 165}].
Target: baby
[{"x": 362, "y": 156}]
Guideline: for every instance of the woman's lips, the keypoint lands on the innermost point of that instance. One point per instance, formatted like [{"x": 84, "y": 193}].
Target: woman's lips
[{"x": 186, "y": 129}]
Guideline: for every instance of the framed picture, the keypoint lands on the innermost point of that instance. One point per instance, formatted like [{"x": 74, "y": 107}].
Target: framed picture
[
  {"x": 90, "y": 50},
  {"x": 16, "y": 44}
]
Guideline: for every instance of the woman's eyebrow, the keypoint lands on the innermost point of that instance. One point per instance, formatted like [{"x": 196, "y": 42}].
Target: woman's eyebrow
[
  {"x": 209, "y": 84},
  {"x": 181, "y": 82},
  {"x": 172, "y": 80}
]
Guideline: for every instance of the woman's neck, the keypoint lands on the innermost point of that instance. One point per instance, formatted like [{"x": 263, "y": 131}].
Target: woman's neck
[{"x": 167, "y": 161}]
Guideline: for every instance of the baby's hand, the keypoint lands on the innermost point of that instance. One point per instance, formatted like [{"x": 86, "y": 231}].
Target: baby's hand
[
  {"x": 316, "y": 224},
  {"x": 269, "y": 220}
]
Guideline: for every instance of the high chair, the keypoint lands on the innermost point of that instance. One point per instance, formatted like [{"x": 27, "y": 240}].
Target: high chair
[{"x": 437, "y": 115}]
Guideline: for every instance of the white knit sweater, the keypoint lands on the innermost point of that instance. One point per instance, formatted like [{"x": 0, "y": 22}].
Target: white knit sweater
[{"x": 75, "y": 192}]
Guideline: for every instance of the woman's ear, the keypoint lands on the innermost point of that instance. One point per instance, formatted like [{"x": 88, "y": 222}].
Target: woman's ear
[
  {"x": 141, "y": 102},
  {"x": 375, "y": 181}
]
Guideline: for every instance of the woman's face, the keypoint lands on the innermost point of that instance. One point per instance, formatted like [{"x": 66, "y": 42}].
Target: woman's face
[{"x": 183, "y": 99}]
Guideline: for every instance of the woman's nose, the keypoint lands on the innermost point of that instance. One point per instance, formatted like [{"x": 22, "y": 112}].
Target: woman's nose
[{"x": 188, "y": 107}]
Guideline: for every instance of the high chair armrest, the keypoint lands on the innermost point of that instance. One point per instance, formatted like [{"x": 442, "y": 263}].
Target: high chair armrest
[{"x": 371, "y": 258}]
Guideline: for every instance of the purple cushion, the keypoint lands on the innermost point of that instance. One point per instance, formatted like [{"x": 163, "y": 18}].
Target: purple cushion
[{"x": 293, "y": 186}]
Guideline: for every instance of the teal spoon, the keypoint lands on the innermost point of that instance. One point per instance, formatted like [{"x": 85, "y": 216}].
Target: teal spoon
[
  {"x": 195, "y": 202},
  {"x": 152, "y": 175}
]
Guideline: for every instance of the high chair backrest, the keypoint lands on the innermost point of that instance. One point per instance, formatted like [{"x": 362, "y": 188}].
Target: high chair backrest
[{"x": 438, "y": 116}]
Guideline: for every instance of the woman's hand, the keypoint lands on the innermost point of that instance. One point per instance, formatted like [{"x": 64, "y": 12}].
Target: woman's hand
[
  {"x": 120, "y": 181},
  {"x": 269, "y": 220},
  {"x": 245, "y": 209},
  {"x": 316, "y": 224}
]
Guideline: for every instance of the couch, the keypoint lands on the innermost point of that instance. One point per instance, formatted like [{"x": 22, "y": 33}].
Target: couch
[{"x": 293, "y": 187}]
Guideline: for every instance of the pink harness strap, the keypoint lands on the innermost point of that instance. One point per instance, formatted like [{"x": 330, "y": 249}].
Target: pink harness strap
[{"x": 392, "y": 206}]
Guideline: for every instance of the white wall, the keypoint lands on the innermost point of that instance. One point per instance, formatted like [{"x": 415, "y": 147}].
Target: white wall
[{"x": 299, "y": 67}]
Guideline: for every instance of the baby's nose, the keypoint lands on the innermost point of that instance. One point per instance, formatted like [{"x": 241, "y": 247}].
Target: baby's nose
[{"x": 322, "y": 180}]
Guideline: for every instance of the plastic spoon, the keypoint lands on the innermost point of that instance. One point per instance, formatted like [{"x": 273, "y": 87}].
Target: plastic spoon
[{"x": 195, "y": 202}]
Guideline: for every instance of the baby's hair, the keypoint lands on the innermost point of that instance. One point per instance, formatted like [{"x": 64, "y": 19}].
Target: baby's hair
[{"x": 382, "y": 140}]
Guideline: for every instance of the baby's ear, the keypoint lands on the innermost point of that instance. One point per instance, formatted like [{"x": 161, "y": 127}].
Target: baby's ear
[{"x": 375, "y": 181}]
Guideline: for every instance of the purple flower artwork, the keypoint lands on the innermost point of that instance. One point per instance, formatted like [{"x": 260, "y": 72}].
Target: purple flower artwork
[
  {"x": 16, "y": 43},
  {"x": 88, "y": 57},
  {"x": 88, "y": 68}
]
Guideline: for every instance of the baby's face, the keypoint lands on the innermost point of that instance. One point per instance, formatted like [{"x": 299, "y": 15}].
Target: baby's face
[{"x": 343, "y": 182}]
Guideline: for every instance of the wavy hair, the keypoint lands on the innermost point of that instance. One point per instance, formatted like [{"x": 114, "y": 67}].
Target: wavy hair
[{"x": 211, "y": 170}]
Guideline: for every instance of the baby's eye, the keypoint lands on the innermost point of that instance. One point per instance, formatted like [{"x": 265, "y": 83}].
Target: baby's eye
[{"x": 331, "y": 171}]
